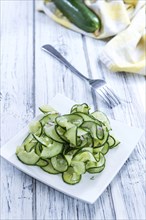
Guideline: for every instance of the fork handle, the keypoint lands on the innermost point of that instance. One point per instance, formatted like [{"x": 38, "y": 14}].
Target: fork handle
[{"x": 51, "y": 50}]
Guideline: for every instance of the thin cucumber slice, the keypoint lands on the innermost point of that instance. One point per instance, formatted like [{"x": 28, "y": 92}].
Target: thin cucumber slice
[
  {"x": 88, "y": 149},
  {"x": 68, "y": 158},
  {"x": 87, "y": 117},
  {"x": 116, "y": 143},
  {"x": 50, "y": 131},
  {"x": 38, "y": 149},
  {"x": 96, "y": 169},
  {"x": 91, "y": 164},
  {"x": 103, "y": 149},
  {"x": 52, "y": 150},
  {"x": 67, "y": 121},
  {"x": 87, "y": 141},
  {"x": 91, "y": 127},
  {"x": 43, "y": 140},
  {"x": 35, "y": 127},
  {"x": 47, "y": 109},
  {"x": 28, "y": 139},
  {"x": 101, "y": 142},
  {"x": 71, "y": 135},
  {"x": 61, "y": 131},
  {"x": 100, "y": 158},
  {"x": 78, "y": 166},
  {"x": 81, "y": 132},
  {"x": 20, "y": 149},
  {"x": 49, "y": 168},
  {"x": 29, "y": 158},
  {"x": 28, "y": 147},
  {"x": 42, "y": 163},
  {"x": 59, "y": 163},
  {"x": 80, "y": 108},
  {"x": 71, "y": 177},
  {"x": 112, "y": 141},
  {"x": 102, "y": 117},
  {"x": 49, "y": 118},
  {"x": 84, "y": 156}
]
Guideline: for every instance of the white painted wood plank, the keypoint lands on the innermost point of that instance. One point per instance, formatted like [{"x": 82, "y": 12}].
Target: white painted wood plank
[
  {"x": 128, "y": 197},
  {"x": 17, "y": 101}
]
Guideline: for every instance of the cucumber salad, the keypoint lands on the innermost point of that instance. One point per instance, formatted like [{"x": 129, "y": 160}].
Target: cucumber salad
[{"x": 70, "y": 144}]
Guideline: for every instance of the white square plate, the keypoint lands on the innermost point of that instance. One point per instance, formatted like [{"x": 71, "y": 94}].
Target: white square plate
[{"x": 88, "y": 189}]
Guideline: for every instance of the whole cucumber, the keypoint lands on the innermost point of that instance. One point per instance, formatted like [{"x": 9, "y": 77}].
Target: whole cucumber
[{"x": 79, "y": 14}]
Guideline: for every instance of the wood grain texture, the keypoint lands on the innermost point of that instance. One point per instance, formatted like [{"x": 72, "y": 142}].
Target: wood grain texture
[
  {"x": 30, "y": 78},
  {"x": 17, "y": 101}
]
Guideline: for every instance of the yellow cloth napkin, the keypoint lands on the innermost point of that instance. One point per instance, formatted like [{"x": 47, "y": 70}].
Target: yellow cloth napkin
[{"x": 124, "y": 21}]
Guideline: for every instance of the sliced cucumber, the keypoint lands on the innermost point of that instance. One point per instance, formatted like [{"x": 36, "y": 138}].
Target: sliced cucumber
[
  {"x": 84, "y": 156},
  {"x": 68, "y": 158},
  {"x": 100, "y": 159},
  {"x": 71, "y": 177},
  {"x": 42, "y": 163},
  {"x": 51, "y": 150},
  {"x": 67, "y": 121},
  {"x": 71, "y": 135},
  {"x": 59, "y": 163},
  {"x": 91, "y": 127},
  {"x": 49, "y": 118},
  {"x": 101, "y": 142},
  {"x": 20, "y": 149},
  {"x": 102, "y": 117},
  {"x": 28, "y": 139},
  {"x": 43, "y": 140},
  {"x": 28, "y": 147},
  {"x": 38, "y": 149},
  {"x": 78, "y": 166},
  {"x": 49, "y": 168},
  {"x": 81, "y": 131},
  {"x": 29, "y": 158},
  {"x": 47, "y": 109},
  {"x": 91, "y": 164},
  {"x": 50, "y": 131},
  {"x": 35, "y": 127},
  {"x": 112, "y": 141},
  {"x": 96, "y": 169},
  {"x": 80, "y": 108},
  {"x": 103, "y": 149},
  {"x": 87, "y": 117}
]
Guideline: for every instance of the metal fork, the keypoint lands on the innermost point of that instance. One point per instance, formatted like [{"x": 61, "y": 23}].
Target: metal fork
[{"x": 99, "y": 85}]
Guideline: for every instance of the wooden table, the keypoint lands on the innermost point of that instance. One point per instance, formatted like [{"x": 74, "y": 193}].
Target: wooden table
[{"x": 31, "y": 78}]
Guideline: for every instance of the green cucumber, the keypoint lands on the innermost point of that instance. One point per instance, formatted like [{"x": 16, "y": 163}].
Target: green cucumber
[
  {"x": 29, "y": 158},
  {"x": 96, "y": 169},
  {"x": 42, "y": 163},
  {"x": 71, "y": 177},
  {"x": 52, "y": 150},
  {"x": 103, "y": 149},
  {"x": 49, "y": 118},
  {"x": 49, "y": 168},
  {"x": 79, "y": 14},
  {"x": 71, "y": 135},
  {"x": 59, "y": 163},
  {"x": 47, "y": 109},
  {"x": 80, "y": 108},
  {"x": 50, "y": 131},
  {"x": 102, "y": 117}
]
